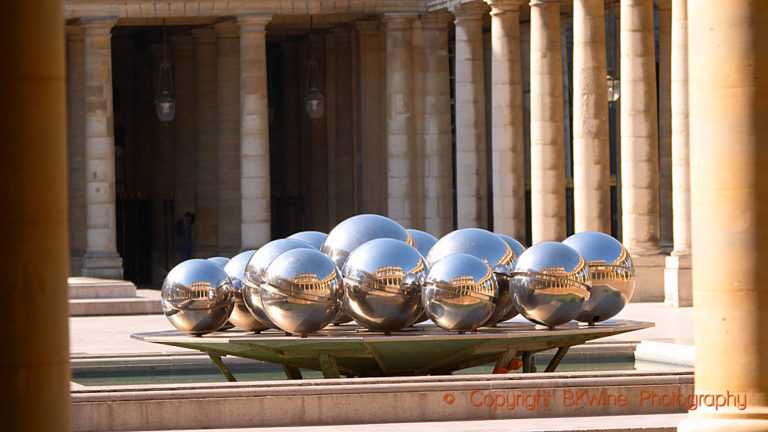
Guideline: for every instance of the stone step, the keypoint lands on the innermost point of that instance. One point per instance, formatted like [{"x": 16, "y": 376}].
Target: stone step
[
  {"x": 143, "y": 301},
  {"x": 89, "y": 288}
]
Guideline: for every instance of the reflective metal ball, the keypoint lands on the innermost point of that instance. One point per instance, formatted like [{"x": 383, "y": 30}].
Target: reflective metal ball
[
  {"x": 254, "y": 274},
  {"x": 354, "y": 231},
  {"x": 315, "y": 238},
  {"x": 197, "y": 297},
  {"x": 423, "y": 241},
  {"x": 459, "y": 293},
  {"x": 301, "y": 291},
  {"x": 518, "y": 249},
  {"x": 219, "y": 261},
  {"x": 241, "y": 316},
  {"x": 612, "y": 273},
  {"x": 488, "y": 247},
  {"x": 550, "y": 283},
  {"x": 382, "y": 284}
]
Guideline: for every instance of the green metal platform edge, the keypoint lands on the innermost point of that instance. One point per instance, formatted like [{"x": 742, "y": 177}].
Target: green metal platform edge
[{"x": 424, "y": 349}]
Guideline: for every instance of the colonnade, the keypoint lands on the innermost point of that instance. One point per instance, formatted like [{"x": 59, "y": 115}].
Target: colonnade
[{"x": 229, "y": 125}]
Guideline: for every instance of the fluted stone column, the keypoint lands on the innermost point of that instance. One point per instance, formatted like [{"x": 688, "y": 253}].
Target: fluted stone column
[
  {"x": 101, "y": 258},
  {"x": 591, "y": 146},
  {"x": 547, "y": 154},
  {"x": 639, "y": 149},
  {"x": 184, "y": 125},
  {"x": 76, "y": 146},
  {"x": 728, "y": 68},
  {"x": 677, "y": 275},
  {"x": 507, "y": 119},
  {"x": 34, "y": 368},
  {"x": 206, "y": 222},
  {"x": 471, "y": 173},
  {"x": 256, "y": 225},
  {"x": 228, "y": 206},
  {"x": 436, "y": 94},
  {"x": 664, "y": 8},
  {"x": 401, "y": 164}
]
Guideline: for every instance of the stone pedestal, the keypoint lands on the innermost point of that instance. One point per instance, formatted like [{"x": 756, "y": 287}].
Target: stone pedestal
[
  {"x": 471, "y": 173},
  {"x": 677, "y": 281},
  {"x": 649, "y": 271},
  {"x": 101, "y": 258},
  {"x": 256, "y": 221},
  {"x": 547, "y": 154}
]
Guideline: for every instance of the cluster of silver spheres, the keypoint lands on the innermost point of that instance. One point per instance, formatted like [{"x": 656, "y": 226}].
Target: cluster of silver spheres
[{"x": 372, "y": 270}]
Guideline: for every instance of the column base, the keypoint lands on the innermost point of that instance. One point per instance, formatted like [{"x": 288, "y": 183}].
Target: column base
[
  {"x": 105, "y": 265},
  {"x": 649, "y": 272},
  {"x": 678, "y": 290},
  {"x": 76, "y": 263},
  {"x": 709, "y": 424}
]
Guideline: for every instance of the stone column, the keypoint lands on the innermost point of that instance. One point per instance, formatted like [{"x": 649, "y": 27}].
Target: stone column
[
  {"x": 228, "y": 204},
  {"x": 184, "y": 125},
  {"x": 206, "y": 222},
  {"x": 547, "y": 154},
  {"x": 664, "y": 8},
  {"x": 436, "y": 94},
  {"x": 639, "y": 149},
  {"x": 344, "y": 178},
  {"x": 101, "y": 258},
  {"x": 33, "y": 168},
  {"x": 256, "y": 228},
  {"x": 591, "y": 146},
  {"x": 677, "y": 275},
  {"x": 76, "y": 146},
  {"x": 727, "y": 70},
  {"x": 471, "y": 175},
  {"x": 370, "y": 148},
  {"x": 507, "y": 119},
  {"x": 401, "y": 169}
]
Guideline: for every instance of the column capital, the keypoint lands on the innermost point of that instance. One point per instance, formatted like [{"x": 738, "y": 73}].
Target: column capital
[
  {"x": 367, "y": 27},
  {"x": 204, "y": 35},
  {"x": 503, "y": 6},
  {"x": 226, "y": 29},
  {"x": 98, "y": 26},
  {"x": 437, "y": 20},
  {"x": 469, "y": 11},
  {"x": 398, "y": 20},
  {"x": 253, "y": 23}
]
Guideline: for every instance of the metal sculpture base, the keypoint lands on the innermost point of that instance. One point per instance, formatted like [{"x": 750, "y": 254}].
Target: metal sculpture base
[{"x": 424, "y": 349}]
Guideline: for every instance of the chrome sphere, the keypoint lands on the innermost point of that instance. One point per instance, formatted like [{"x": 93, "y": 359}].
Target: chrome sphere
[
  {"x": 459, "y": 293},
  {"x": 518, "y": 249},
  {"x": 301, "y": 291},
  {"x": 315, "y": 238},
  {"x": 382, "y": 284},
  {"x": 422, "y": 241},
  {"x": 241, "y": 316},
  {"x": 254, "y": 273},
  {"x": 550, "y": 283},
  {"x": 354, "y": 231},
  {"x": 219, "y": 261},
  {"x": 488, "y": 247},
  {"x": 612, "y": 273},
  {"x": 197, "y": 297}
]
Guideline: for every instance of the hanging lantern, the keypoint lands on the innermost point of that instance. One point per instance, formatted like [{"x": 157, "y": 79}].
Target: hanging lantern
[
  {"x": 314, "y": 102},
  {"x": 165, "y": 103}
]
